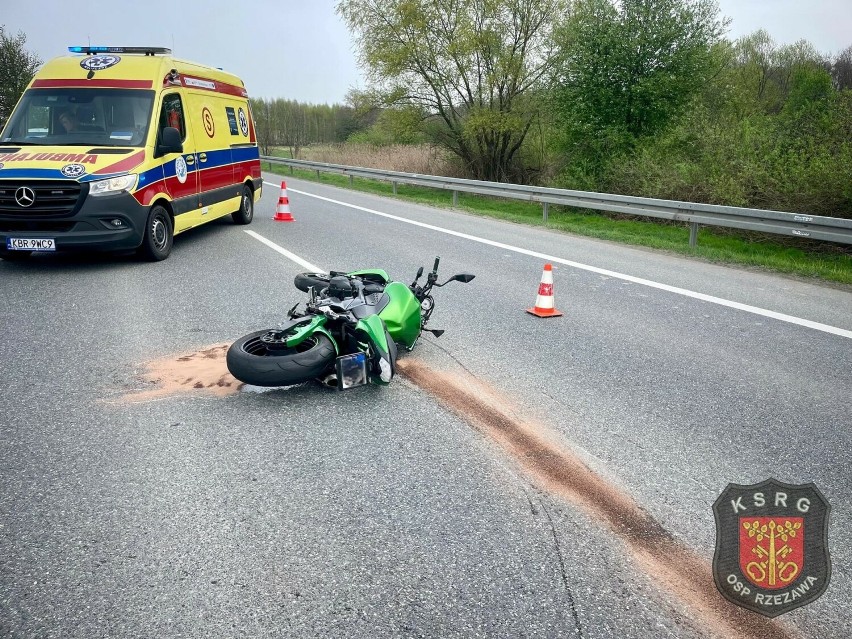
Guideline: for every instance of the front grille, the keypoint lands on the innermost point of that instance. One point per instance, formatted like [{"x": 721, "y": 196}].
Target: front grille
[
  {"x": 16, "y": 226},
  {"x": 52, "y": 198}
]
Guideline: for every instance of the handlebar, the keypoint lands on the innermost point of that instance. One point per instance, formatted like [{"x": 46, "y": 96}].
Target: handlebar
[{"x": 433, "y": 276}]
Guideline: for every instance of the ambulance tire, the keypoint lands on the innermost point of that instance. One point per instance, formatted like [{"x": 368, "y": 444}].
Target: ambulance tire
[
  {"x": 251, "y": 361},
  {"x": 158, "y": 237},
  {"x": 14, "y": 256},
  {"x": 246, "y": 212}
]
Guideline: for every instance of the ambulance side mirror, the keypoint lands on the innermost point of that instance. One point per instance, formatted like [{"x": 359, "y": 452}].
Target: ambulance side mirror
[{"x": 170, "y": 142}]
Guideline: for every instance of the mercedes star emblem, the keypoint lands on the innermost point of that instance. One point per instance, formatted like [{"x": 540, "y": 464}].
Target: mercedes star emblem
[{"x": 25, "y": 196}]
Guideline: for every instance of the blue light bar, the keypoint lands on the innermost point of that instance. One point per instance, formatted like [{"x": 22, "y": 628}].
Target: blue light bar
[{"x": 145, "y": 50}]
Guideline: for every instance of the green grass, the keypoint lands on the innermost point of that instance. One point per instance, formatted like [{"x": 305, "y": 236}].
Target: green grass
[{"x": 821, "y": 261}]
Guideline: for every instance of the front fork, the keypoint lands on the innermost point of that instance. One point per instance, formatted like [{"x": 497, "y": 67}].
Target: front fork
[{"x": 373, "y": 338}]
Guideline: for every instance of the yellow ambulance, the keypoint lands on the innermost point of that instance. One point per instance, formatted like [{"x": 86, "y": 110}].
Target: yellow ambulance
[{"x": 121, "y": 148}]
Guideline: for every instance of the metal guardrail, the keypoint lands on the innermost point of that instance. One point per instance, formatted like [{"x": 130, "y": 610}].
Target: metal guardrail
[{"x": 814, "y": 227}]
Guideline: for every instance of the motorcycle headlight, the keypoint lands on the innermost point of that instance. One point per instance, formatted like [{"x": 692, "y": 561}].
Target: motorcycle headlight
[{"x": 113, "y": 185}]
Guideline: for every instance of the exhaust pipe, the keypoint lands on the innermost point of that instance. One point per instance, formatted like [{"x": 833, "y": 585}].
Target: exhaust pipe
[{"x": 330, "y": 380}]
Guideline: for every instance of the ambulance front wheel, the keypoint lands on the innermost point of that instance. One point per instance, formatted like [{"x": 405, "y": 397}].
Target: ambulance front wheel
[
  {"x": 246, "y": 211},
  {"x": 158, "y": 236}
]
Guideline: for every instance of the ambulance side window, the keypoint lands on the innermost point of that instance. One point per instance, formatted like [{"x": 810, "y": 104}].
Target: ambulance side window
[
  {"x": 172, "y": 114},
  {"x": 232, "y": 120}
]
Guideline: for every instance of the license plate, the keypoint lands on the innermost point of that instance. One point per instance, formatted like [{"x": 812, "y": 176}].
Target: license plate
[
  {"x": 30, "y": 244},
  {"x": 351, "y": 371}
]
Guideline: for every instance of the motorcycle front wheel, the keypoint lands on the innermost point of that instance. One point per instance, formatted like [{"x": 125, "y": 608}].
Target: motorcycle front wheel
[{"x": 263, "y": 362}]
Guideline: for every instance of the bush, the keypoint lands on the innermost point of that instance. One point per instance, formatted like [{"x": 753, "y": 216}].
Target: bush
[
  {"x": 799, "y": 160},
  {"x": 423, "y": 158}
]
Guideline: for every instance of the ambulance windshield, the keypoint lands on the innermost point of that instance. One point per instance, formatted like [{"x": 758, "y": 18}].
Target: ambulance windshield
[{"x": 81, "y": 117}]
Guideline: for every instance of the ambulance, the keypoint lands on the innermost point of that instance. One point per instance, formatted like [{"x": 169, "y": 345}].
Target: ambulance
[{"x": 122, "y": 148}]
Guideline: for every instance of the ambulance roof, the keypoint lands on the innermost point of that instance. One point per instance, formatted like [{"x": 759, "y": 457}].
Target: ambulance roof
[{"x": 134, "y": 71}]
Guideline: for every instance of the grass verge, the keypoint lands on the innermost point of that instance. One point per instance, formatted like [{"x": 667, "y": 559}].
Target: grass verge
[{"x": 819, "y": 260}]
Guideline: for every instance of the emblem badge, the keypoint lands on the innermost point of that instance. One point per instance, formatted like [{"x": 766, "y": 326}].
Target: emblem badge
[
  {"x": 73, "y": 170},
  {"x": 243, "y": 122},
  {"x": 99, "y": 62},
  {"x": 771, "y": 546},
  {"x": 25, "y": 196},
  {"x": 181, "y": 169},
  {"x": 209, "y": 125}
]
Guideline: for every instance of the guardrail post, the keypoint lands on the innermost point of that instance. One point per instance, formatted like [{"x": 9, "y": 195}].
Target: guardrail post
[
  {"x": 544, "y": 211},
  {"x": 292, "y": 170},
  {"x": 693, "y": 234},
  {"x": 350, "y": 180},
  {"x": 394, "y": 187},
  {"x": 455, "y": 198},
  {"x": 318, "y": 174}
]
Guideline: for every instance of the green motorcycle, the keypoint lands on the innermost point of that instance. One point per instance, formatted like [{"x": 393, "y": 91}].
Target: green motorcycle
[{"x": 348, "y": 334}]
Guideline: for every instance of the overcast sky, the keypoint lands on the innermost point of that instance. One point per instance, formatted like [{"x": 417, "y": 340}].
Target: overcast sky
[{"x": 301, "y": 50}]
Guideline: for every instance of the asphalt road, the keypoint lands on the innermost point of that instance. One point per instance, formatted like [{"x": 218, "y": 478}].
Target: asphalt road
[{"x": 379, "y": 512}]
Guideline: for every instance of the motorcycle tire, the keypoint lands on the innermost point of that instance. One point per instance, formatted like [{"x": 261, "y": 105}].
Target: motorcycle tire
[
  {"x": 305, "y": 280},
  {"x": 252, "y": 362}
]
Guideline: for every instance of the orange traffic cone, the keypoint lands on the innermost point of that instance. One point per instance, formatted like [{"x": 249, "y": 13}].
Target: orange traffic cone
[
  {"x": 282, "y": 211},
  {"x": 544, "y": 302}
]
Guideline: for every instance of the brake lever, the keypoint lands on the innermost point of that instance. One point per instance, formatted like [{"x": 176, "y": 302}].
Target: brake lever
[{"x": 417, "y": 277}]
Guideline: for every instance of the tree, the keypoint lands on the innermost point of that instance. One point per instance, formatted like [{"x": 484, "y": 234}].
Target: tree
[
  {"x": 17, "y": 68},
  {"x": 755, "y": 55},
  {"x": 471, "y": 65},
  {"x": 793, "y": 59},
  {"x": 765, "y": 73},
  {"x": 264, "y": 126},
  {"x": 841, "y": 70},
  {"x": 770, "y": 131},
  {"x": 294, "y": 124},
  {"x": 629, "y": 68}
]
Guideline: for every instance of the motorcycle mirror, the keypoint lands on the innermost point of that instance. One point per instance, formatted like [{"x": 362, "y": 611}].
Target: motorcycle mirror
[
  {"x": 419, "y": 274},
  {"x": 461, "y": 277}
]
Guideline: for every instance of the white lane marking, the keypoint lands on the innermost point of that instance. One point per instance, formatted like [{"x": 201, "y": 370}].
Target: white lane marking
[
  {"x": 594, "y": 269},
  {"x": 298, "y": 260}
]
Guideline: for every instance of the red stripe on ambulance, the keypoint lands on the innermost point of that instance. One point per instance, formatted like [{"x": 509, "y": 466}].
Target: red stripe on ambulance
[
  {"x": 82, "y": 82},
  {"x": 124, "y": 165}
]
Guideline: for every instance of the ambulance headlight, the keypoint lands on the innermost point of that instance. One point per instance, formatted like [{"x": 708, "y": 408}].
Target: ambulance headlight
[{"x": 113, "y": 185}]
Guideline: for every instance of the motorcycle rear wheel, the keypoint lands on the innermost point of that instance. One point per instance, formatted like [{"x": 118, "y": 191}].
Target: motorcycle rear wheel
[
  {"x": 254, "y": 362},
  {"x": 319, "y": 281}
]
